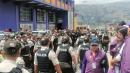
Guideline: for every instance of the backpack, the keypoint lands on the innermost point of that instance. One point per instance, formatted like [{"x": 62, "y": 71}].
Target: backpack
[{"x": 81, "y": 40}]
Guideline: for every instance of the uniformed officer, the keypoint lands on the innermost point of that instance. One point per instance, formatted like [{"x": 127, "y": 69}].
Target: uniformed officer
[
  {"x": 45, "y": 60},
  {"x": 11, "y": 52},
  {"x": 82, "y": 49},
  {"x": 37, "y": 44},
  {"x": 73, "y": 36},
  {"x": 66, "y": 56},
  {"x": 63, "y": 34},
  {"x": 80, "y": 40},
  {"x": 26, "y": 51}
]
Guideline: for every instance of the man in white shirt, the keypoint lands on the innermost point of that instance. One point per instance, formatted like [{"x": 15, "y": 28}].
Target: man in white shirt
[
  {"x": 45, "y": 59},
  {"x": 11, "y": 52},
  {"x": 66, "y": 56}
]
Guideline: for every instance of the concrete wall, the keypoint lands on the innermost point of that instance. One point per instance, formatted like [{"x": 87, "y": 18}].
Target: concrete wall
[{"x": 70, "y": 20}]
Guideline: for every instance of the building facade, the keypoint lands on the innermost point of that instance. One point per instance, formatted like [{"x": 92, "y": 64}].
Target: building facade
[{"x": 36, "y": 14}]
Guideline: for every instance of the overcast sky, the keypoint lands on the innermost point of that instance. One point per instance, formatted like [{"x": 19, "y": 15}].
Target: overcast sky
[{"x": 96, "y": 1}]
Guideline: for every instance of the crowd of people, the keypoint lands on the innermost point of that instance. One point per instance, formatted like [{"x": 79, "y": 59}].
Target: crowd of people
[{"x": 66, "y": 51}]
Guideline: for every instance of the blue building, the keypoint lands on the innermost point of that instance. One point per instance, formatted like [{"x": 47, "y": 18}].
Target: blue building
[{"x": 35, "y": 14}]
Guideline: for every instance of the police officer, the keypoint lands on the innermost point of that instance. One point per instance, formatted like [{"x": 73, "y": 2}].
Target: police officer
[
  {"x": 73, "y": 36},
  {"x": 37, "y": 43},
  {"x": 63, "y": 34},
  {"x": 45, "y": 60},
  {"x": 11, "y": 52},
  {"x": 80, "y": 40},
  {"x": 82, "y": 49},
  {"x": 26, "y": 51},
  {"x": 66, "y": 56}
]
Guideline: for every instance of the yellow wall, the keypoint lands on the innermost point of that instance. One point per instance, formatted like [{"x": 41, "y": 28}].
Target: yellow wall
[
  {"x": 58, "y": 4},
  {"x": 75, "y": 23},
  {"x": 53, "y": 2}
]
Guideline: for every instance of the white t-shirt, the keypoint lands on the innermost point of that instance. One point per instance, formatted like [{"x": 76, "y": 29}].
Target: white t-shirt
[
  {"x": 8, "y": 65},
  {"x": 52, "y": 56}
]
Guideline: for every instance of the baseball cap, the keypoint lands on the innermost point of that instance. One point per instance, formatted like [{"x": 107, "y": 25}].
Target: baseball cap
[
  {"x": 11, "y": 47},
  {"x": 94, "y": 42}
]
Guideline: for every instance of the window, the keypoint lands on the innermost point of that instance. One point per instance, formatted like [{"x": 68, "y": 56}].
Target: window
[
  {"x": 40, "y": 15},
  {"x": 41, "y": 26},
  {"x": 25, "y": 14},
  {"x": 26, "y": 27},
  {"x": 51, "y": 18}
]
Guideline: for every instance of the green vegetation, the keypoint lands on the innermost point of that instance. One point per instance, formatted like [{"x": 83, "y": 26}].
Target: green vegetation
[{"x": 103, "y": 14}]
